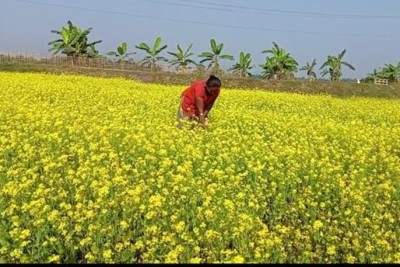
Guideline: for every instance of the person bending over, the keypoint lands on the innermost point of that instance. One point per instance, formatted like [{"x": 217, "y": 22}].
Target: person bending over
[{"x": 198, "y": 99}]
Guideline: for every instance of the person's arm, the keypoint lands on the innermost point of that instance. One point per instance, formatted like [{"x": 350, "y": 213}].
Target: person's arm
[
  {"x": 210, "y": 105},
  {"x": 208, "y": 108},
  {"x": 200, "y": 108}
]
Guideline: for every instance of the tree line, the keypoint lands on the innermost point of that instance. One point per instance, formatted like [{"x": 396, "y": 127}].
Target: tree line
[{"x": 279, "y": 64}]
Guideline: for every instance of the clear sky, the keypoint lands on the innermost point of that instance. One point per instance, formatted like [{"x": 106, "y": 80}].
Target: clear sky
[{"x": 307, "y": 29}]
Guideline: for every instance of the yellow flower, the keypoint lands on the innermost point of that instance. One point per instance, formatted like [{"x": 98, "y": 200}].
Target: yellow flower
[
  {"x": 238, "y": 259},
  {"x": 124, "y": 225},
  {"x": 54, "y": 258},
  {"x": 107, "y": 254},
  {"x": 89, "y": 158},
  {"x": 139, "y": 245},
  {"x": 317, "y": 224},
  {"x": 229, "y": 204},
  {"x": 179, "y": 227},
  {"x": 195, "y": 260},
  {"x": 26, "y": 233},
  {"x": 331, "y": 250},
  {"x": 209, "y": 214},
  {"x": 350, "y": 259},
  {"x": 16, "y": 253},
  {"x": 89, "y": 257}
]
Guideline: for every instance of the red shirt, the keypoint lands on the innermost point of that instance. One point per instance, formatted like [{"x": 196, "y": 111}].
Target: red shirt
[{"x": 198, "y": 89}]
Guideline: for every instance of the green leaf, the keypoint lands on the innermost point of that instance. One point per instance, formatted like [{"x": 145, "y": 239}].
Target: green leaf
[
  {"x": 124, "y": 47},
  {"x": 213, "y": 45},
  {"x": 157, "y": 43},
  {"x": 65, "y": 35},
  {"x": 120, "y": 51},
  {"x": 179, "y": 49},
  {"x": 206, "y": 54},
  {"x": 126, "y": 256},
  {"x": 143, "y": 46}
]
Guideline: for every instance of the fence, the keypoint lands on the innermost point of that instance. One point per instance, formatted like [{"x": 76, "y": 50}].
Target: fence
[
  {"x": 102, "y": 62},
  {"x": 46, "y": 60}
]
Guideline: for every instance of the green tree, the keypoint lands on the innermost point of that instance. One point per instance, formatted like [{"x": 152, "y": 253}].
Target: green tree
[
  {"x": 311, "y": 75},
  {"x": 243, "y": 66},
  {"x": 214, "y": 56},
  {"x": 153, "y": 57},
  {"x": 122, "y": 52},
  {"x": 74, "y": 43},
  {"x": 182, "y": 59},
  {"x": 333, "y": 66},
  {"x": 391, "y": 72},
  {"x": 279, "y": 65},
  {"x": 376, "y": 74}
]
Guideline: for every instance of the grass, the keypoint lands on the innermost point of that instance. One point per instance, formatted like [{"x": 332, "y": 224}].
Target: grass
[{"x": 338, "y": 89}]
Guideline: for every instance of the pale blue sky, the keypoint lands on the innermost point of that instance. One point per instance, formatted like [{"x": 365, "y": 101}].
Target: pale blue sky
[{"x": 307, "y": 29}]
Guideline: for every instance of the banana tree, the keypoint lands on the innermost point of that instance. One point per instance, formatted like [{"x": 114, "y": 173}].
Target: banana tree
[
  {"x": 74, "y": 43},
  {"x": 122, "y": 52},
  {"x": 392, "y": 72},
  {"x": 311, "y": 75},
  {"x": 376, "y": 74},
  {"x": 153, "y": 57},
  {"x": 182, "y": 59},
  {"x": 214, "y": 56},
  {"x": 333, "y": 66},
  {"x": 243, "y": 66},
  {"x": 279, "y": 65}
]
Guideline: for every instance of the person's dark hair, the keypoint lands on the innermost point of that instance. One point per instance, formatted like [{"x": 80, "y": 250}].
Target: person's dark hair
[{"x": 213, "y": 81}]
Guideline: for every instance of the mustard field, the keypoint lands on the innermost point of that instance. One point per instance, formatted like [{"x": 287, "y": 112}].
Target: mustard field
[{"x": 95, "y": 170}]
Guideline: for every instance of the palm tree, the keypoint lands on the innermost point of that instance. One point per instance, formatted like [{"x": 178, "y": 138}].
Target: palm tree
[
  {"x": 74, "y": 43},
  {"x": 182, "y": 59},
  {"x": 311, "y": 75},
  {"x": 151, "y": 60},
  {"x": 121, "y": 54},
  {"x": 214, "y": 56},
  {"x": 280, "y": 65},
  {"x": 333, "y": 66},
  {"x": 243, "y": 66}
]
